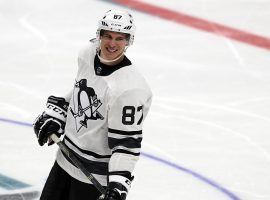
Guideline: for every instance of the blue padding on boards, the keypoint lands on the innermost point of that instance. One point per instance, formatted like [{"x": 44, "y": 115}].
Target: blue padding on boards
[{"x": 11, "y": 184}]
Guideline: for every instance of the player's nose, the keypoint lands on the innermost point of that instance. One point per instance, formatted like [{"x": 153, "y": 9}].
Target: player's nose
[{"x": 112, "y": 43}]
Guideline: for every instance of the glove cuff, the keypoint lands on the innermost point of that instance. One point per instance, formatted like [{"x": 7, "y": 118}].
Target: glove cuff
[{"x": 125, "y": 182}]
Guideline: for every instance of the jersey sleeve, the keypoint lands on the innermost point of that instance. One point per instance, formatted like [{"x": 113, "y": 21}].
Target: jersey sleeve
[
  {"x": 125, "y": 120},
  {"x": 86, "y": 56}
]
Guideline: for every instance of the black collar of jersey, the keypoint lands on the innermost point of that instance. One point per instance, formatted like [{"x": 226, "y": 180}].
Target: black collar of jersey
[{"x": 106, "y": 70}]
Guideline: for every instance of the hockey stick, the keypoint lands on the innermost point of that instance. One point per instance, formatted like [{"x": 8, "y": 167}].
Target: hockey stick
[{"x": 74, "y": 159}]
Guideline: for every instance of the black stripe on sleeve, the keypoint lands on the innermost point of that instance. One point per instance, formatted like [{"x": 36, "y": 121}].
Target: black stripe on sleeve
[
  {"x": 128, "y": 142},
  {"x": 125, "y": 152},
  {"x": 120, "y": 132}
]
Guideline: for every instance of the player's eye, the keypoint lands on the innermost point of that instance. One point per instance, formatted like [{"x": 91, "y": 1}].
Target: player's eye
[
  {"x": 120, "y": 39},
  {"x": 106, "y": 36}
]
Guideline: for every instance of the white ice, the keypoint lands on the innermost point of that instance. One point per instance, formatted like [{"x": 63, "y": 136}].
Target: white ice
[{"x": 211, "y": 109}]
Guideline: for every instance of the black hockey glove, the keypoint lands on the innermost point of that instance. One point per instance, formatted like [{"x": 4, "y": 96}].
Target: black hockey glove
[
  {"x": 118, "y": 188},
  {"x": 52, "y": 120}
]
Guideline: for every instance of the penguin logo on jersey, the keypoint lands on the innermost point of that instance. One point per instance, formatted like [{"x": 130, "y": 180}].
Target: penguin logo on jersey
[{"x": 86, "y": 104}]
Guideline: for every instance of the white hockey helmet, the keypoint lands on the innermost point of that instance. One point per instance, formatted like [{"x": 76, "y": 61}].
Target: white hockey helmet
[{"x": 117, "y": 21}]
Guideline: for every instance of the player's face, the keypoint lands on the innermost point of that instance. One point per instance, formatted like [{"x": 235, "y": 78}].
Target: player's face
[{"x": 112, "y": 45}]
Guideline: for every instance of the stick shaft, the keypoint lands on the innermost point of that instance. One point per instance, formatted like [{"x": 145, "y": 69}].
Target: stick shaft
[{"x": 78, "y": 164}]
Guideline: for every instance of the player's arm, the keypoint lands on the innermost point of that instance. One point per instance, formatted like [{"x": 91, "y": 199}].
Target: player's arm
[
  {"x": 52, "y": 120},
  {"x": 125, "y": 120}
]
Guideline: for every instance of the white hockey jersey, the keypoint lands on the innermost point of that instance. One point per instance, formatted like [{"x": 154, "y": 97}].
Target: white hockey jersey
[{"x": 104, "y": 122}]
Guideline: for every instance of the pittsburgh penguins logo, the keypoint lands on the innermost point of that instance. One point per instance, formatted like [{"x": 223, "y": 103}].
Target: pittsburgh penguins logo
[{"x": 86, "y": 105}]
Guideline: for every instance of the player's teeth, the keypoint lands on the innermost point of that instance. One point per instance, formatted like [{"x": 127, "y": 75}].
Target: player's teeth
[{"x": 111, "y": 50}]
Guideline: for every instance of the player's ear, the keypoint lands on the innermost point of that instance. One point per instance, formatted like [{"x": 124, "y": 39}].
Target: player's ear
[{"x": 127, "y": 39}]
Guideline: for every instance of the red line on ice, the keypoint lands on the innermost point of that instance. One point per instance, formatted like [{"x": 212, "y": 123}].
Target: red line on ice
[{"x": 198, "y": 23}]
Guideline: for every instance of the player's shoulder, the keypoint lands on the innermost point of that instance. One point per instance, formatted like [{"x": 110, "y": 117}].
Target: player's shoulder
[
  {"x": 129, "y": 80},
  {"x": 89, "y": 49}
]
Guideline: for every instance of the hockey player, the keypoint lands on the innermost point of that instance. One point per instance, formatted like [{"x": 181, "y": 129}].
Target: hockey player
[{"x": 101, "y": 118}]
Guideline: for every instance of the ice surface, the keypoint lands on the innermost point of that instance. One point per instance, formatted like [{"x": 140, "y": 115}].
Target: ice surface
[{"x": 207, "y": 134}]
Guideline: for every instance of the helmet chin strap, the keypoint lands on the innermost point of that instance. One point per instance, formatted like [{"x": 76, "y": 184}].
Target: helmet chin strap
[{"x": 108, "y": 62}]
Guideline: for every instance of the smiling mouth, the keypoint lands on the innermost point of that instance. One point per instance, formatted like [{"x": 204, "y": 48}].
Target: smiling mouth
[{"x": 111, "y": 50}]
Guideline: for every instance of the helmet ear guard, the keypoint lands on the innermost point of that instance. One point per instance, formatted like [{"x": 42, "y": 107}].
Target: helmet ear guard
[{"x": 117, "y": 21}]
